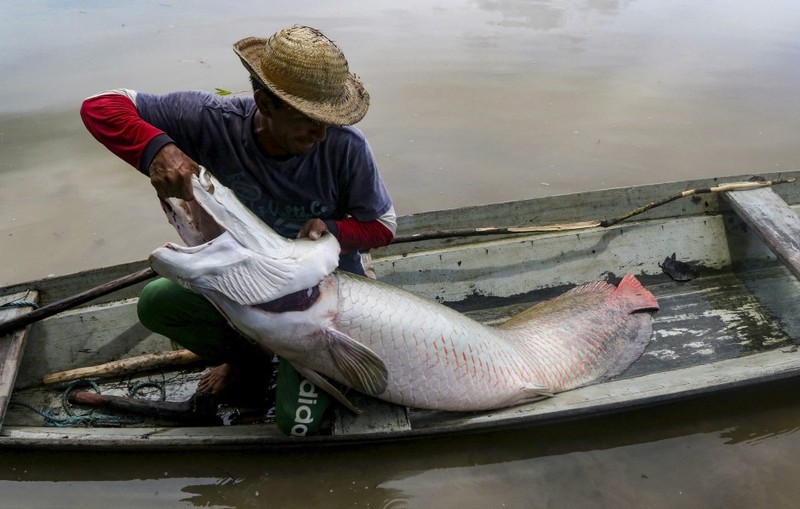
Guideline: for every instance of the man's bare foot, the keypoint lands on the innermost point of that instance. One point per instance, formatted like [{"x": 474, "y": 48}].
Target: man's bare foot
[
  {"x": 236, "y": 384},
  {"x": 218, "y": 379}
]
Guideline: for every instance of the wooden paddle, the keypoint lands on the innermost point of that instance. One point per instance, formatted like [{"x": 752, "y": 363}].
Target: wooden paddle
[
  {"x": 200, "y": 408},
  {"x": 75, "y": 300}
]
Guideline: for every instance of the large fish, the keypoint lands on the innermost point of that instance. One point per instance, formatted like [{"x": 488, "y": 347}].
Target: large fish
[{"x": 390, "y": 343}]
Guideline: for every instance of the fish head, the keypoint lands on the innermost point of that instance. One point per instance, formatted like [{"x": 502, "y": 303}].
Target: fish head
[
  {"x": 189, "y": 266},
  {"x": 247, "y": 261}
]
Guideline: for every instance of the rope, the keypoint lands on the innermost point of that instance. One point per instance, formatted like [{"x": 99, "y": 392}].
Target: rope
[
  {"x": 141, "y": 385},
  {"x": 21, "y": 303}
]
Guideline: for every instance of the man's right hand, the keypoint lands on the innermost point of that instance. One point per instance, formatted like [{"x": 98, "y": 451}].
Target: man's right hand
[{"x": 171, "y": 173}]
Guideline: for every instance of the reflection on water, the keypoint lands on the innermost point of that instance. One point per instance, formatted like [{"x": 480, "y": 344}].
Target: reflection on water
[
  {"x": 733, "y": 450},
  {"x": 547, "y": 14},
  {"x": 536, "y": 15}
]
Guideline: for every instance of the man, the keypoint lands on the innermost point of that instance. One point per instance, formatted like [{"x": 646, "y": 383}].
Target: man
[{"x": 288, "y": 154}]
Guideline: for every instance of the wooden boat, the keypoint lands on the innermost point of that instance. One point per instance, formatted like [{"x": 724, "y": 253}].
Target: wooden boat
[{"x": 733, "y": 323}]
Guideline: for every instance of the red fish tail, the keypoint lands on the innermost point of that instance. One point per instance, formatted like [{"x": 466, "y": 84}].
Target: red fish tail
[{"x": 632, "y": 291}]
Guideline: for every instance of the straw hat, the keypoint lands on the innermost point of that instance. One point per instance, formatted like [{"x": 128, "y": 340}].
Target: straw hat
[{"x": 308, "y": 71}]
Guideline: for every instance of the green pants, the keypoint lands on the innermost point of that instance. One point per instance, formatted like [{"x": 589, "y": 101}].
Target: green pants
[{"x": 189, "y": 319}]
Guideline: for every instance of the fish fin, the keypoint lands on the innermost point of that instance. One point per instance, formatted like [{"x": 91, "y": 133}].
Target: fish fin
[
  {"x": 320, "y": 381},
  {"x": 636, "y": 296},
  {"x": 258, "y": 280},
  {"x": 639, "y": 327},
  {"x": 528, "y": 393},
  {"x": 537, "y": 393},
  {"x": 584, "y": 296},
  {"x": 362, "y": 368}
]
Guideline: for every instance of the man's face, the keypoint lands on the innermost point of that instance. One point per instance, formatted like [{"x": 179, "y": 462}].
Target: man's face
[{"x": 291, "y": 132}]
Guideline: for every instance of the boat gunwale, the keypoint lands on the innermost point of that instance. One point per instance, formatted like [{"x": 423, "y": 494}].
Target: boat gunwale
[{"x": 542, "y": 210}]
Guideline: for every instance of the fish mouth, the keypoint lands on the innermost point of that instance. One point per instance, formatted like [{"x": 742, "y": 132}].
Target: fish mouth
[
  {"x": 210, "y": 246},
  {"x": 187, "y": 263},
  {"x": 188, "y": 250}
]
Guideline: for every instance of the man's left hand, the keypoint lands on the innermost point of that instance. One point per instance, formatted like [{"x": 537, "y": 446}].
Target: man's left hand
[{"x": 313, "y": 229}]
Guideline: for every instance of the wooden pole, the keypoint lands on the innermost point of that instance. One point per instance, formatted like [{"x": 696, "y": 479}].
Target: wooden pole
[
  {"x": 492, "y": 230},
  {"x": 734, "y": 186},
  {"x": 75, "y": 300},
  {"x": 124, "y": 366}
]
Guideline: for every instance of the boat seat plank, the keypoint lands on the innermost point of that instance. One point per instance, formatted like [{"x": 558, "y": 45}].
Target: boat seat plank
[
  {"x": 773, "y": 221},
  {"x": 12, "y": 344},
  {"x": 376, "y": 417}
]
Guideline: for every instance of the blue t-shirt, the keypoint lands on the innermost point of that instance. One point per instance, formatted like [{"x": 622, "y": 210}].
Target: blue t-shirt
[{"x": 337, "y": 178}]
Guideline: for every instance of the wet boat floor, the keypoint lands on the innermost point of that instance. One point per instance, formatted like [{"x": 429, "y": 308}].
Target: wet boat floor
[{"x": 717, "y": 316}]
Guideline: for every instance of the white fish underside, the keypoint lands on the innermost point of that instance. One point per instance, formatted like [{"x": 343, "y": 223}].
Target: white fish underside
[{"x": 410, "y": 350}]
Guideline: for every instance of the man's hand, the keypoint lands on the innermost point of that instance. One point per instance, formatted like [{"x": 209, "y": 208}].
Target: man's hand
[
  {"x": 171, "y": 173},
  {"x": 313, "y": 229}
]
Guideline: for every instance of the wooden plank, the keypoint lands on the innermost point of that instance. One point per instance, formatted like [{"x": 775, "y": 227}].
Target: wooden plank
[
  {"x": 515, "y": 266},
  {"x": 127, "y": 366},
  {"x": 12, "y": 345},
  {"x": 773, "y": 221},
  {"x": 376, "y": 417}
]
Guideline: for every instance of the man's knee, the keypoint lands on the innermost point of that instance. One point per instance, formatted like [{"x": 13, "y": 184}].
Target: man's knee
[
  {"x": 151, "y": 299},
  {"x": 164, "y": 303}
]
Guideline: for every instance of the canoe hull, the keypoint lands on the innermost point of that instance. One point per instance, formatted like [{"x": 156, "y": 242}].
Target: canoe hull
[{"x": 732, "y": 326}]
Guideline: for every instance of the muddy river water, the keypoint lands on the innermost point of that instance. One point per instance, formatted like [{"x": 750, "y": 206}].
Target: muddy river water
[{"x": 473, "y": 101}]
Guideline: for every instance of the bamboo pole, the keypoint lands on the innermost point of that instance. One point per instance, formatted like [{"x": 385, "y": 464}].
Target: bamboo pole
[
  {"x": 733, "y": 186},
  {"x": 492, "y": 230}
]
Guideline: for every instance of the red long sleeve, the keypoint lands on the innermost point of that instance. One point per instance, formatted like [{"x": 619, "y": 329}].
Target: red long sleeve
[
  {"x": 113, "y": 120},
  {"x": 354, "y": 234}
]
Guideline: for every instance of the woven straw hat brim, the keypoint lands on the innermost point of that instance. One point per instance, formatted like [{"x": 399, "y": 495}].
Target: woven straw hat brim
[{"x": 318, "y": 84}]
